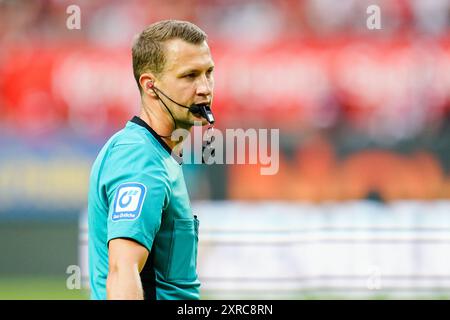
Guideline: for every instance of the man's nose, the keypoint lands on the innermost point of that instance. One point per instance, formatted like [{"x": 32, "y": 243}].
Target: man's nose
[{"x": 204, "y": 88}]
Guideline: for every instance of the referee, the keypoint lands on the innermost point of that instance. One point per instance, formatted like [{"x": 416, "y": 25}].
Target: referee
[{"x": 143, "y": 235}]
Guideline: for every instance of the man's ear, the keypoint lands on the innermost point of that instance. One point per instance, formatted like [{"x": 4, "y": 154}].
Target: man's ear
[{"x": 146, "y": 81}]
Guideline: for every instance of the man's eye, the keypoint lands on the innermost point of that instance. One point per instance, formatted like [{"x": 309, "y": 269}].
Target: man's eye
[{"x": 190, "y": 75}]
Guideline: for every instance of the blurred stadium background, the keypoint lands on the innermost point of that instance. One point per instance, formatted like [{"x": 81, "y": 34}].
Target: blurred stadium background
[{"x": 360, "y": 206}]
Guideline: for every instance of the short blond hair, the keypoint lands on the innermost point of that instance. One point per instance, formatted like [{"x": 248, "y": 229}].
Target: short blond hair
[{"x": 148, "y": 51}]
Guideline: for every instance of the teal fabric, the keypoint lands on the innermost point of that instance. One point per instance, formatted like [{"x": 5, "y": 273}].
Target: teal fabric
[{"x": 137, "y": 191}]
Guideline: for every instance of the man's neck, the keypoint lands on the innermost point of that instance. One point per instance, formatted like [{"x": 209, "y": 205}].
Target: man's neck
[{"x": 164, "y": 129}]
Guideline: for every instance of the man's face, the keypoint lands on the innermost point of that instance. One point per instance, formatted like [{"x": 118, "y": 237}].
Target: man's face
[{"x": 187, "y": 78}]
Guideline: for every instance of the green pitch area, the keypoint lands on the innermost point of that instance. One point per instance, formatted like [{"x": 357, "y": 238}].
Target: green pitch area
[
  {"x": 38, "y": 288},
  {"x": 54, "y": 288}
]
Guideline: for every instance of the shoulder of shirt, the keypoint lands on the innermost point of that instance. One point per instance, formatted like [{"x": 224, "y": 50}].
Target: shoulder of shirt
[
  {"x": 133, "y": 135},
  {"x": 130, "y": 150},
  {"x": 134, "y": 139}
]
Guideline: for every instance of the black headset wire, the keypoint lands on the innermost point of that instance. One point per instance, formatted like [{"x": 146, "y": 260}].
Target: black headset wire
[{"x": 173, "y": 118}]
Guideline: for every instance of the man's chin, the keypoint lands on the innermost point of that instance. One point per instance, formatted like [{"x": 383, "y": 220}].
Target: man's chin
[{"x": 199, "y": 119}]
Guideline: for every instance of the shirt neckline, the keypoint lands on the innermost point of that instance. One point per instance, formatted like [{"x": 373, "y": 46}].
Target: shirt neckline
[{"x": 166, "y": 147}]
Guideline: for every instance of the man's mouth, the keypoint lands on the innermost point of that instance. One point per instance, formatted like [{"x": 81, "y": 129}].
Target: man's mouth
[
  {"x": 203, "y": 110},
  {"x": 200, "y": 104},
  {"x": 196, "y": 108}
]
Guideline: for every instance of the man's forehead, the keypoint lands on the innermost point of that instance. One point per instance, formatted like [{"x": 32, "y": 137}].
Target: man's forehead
[{"x": 184, "y": 55}]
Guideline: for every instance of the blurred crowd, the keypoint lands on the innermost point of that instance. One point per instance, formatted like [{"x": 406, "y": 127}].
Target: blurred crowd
[
  {"x": 114, "y": 22},
  {"x": 312, "y": 68}
]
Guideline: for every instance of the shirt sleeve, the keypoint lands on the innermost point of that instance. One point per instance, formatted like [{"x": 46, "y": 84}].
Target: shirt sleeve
[{"x": 138, "y": 192}]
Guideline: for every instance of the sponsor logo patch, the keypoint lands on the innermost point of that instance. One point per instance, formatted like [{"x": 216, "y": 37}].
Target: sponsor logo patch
[{"x": 128, "y": 201}]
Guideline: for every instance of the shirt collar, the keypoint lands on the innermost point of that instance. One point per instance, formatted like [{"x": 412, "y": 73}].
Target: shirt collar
[{"x": 144, "y": 124}]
